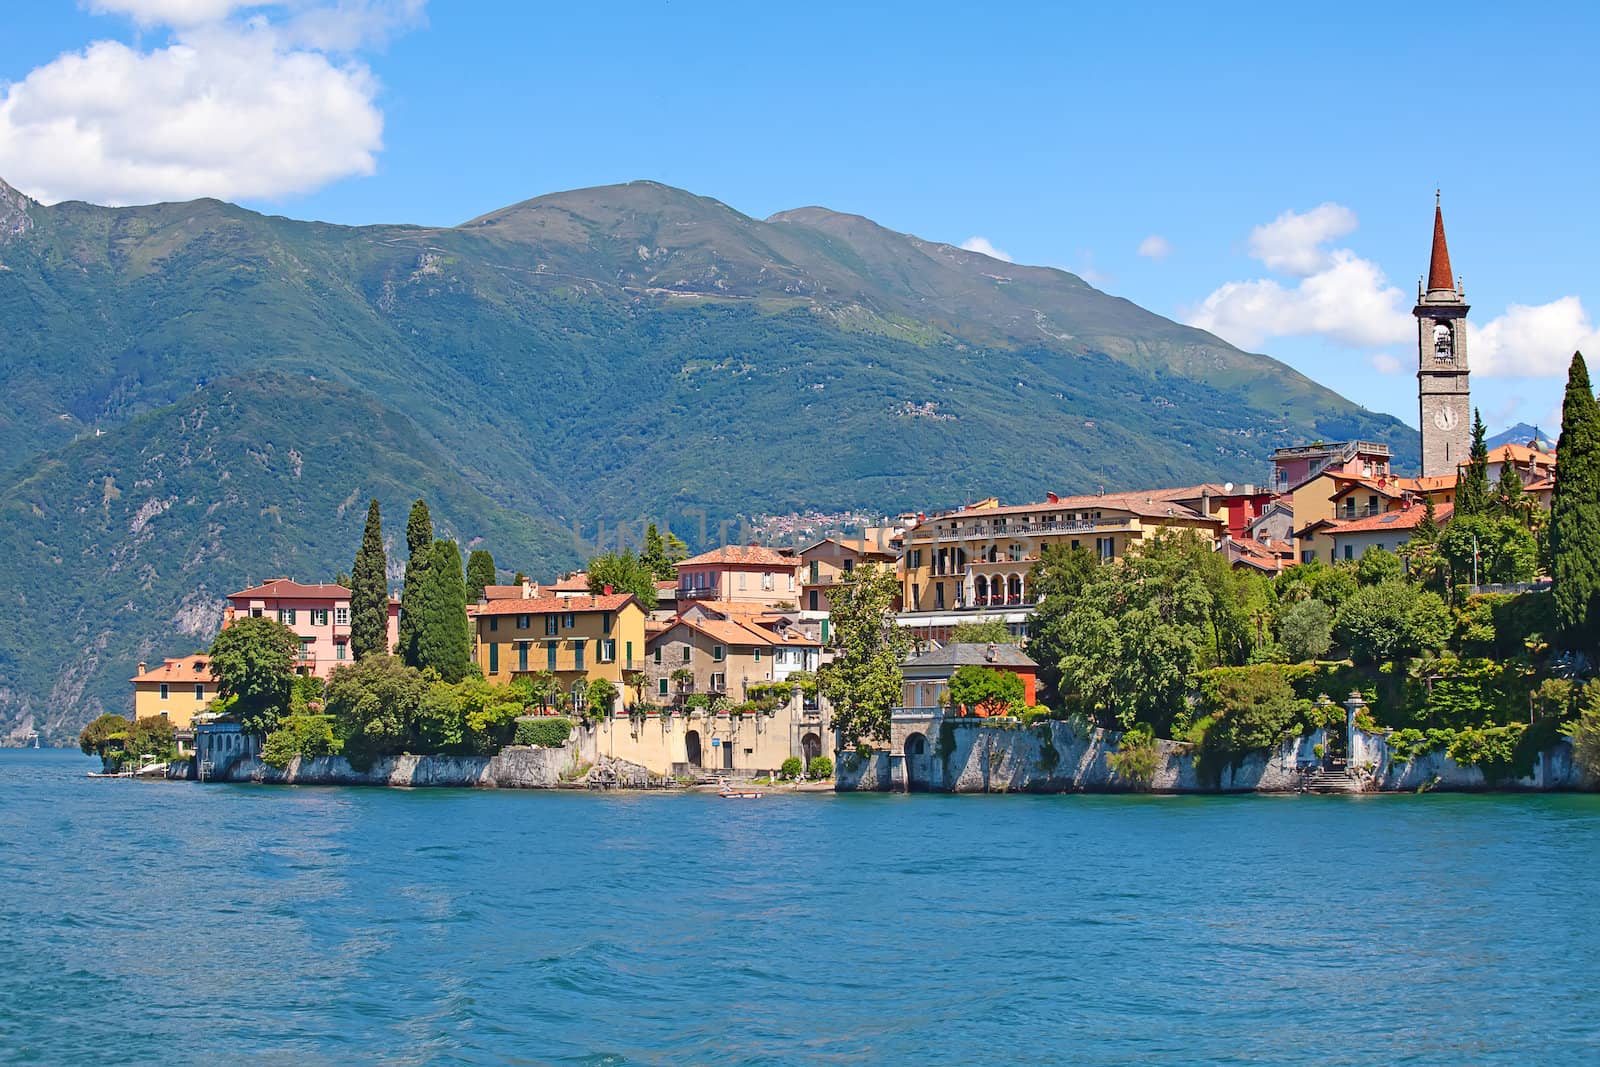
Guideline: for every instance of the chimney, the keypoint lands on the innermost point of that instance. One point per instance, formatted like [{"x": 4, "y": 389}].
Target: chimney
[
  {"x": 527, "y": 589},
  {"x": 141, "y": 666},
  {"x": 992, "y": 653},
  {"x": 1052, "y": 498}
]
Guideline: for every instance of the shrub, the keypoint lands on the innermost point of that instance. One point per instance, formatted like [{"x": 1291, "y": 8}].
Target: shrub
[
  {"x": 1136, "y": 757},
  {"x": 985, "y": 691},
  {"x": 1251, "y": 707},
  {"x": 1493, "y": 750},
  {"x": 1586, "y": 732},
  {"x": 1037, "y": 713},
  {"x": 543, "y": 732},
  {"x": 698, "y": 700},
  {"x": 299, "y": 735},
  {"x": 821, "y": 767},
  {"x": 1391, "y": 621},
  {"x": 1307, "y": 630},
  {"x": 100, "y": 735},
  {"x": 791, "y": 768}
]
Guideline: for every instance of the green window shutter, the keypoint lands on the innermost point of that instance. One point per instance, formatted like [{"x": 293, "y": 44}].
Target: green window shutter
[{"x": 494, "y": 659}]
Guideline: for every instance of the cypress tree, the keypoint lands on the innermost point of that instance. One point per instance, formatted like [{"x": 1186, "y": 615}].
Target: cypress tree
[
  {"x": 442, "y": 639},
  {"x": 1427, "y": 531},
  {"x": 1472, "y": 491},
  {"x": 1509, "y": 500},
  {"x": 419, "y": 540},
  {"x": 369, "y": 591},
  {"x": 480, "y": 572},
  {"x": 1575, "y": 515}
]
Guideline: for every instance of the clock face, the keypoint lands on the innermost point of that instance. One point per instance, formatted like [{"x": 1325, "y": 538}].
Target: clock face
[{"x": 1444, "y": 418}]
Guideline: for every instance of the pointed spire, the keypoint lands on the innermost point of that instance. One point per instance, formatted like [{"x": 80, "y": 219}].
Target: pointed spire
[{"x": 1439, "y": 275}]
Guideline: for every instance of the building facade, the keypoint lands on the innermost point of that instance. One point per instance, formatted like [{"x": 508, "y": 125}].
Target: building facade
[
  {"x": 177, "y": 690},
  {"x": 318, "y": 614},
  {"x": 578, "y": 639},
  {"x": 749, "y": 574}
]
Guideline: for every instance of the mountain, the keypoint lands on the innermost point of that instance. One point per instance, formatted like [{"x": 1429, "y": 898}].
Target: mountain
[
  {"x": 1521, "y": 434},
  {"x": 575, "y": 361}
]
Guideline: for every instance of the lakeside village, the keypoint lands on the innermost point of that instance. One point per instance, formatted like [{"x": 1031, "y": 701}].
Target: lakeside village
[{"x": 1337, "y": 628}]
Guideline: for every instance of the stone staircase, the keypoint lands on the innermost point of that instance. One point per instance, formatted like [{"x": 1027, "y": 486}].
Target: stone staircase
[{"x": 1330, "y": 780}]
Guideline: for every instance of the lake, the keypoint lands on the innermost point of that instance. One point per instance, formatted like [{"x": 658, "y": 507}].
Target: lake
[{"x": 145, "y": 921}]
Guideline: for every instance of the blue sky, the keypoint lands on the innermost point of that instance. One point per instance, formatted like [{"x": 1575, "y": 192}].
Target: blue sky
[{"x": 1267, "y": 173}]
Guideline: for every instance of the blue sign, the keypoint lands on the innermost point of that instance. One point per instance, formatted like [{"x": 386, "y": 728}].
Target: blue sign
[{"x": 715, "y": 741}]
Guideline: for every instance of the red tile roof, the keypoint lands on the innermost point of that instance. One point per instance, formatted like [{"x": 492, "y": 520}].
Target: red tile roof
[
  {"x": 556, "y": 605},
  {"x": 742, "y": 556},
  {"x": 190, "y": 669},
  {"x": 1404, "y": 519},
  {"x": 1146, "y": 503},
  {"x": 572, "y": 583},
  {"x": 288, "y": 589},
  {"x": 504, "y": 592},
  {"x": 1439, "y": 275}
]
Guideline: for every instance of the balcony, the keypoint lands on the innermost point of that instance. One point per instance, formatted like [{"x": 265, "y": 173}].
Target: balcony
[{"x": 698, "y": 592}]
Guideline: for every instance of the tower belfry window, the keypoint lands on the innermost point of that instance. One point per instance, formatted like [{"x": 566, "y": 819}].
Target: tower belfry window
[{"x": 1443, "y": 343}]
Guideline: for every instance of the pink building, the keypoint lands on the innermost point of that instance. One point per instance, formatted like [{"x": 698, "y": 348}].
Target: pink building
[
  {"x": 320, "y": 614},
  {"x": 749, "y": 574},
  {"x": 1293, "y": 467}
]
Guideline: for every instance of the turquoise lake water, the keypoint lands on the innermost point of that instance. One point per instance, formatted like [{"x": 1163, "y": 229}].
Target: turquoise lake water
[{"x": 157, "y": 921}]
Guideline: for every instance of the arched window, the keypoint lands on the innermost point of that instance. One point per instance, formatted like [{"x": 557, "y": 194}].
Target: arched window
[{"x": 1443, "y": 341}]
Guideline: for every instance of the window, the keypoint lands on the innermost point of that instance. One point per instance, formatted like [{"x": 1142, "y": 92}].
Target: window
[
  {"x": 319, "y": 616},
  {"x": 815, "y": 572},
  {"x": 742, "y": 577},
  {"x": 577, "y": 654},
  {"x": 341, "y": 616},
  {"x": 338, "y": 650},
  {"x": 164, "y": 690},
  {"x": 766, "y": 579},
  {"x": 1308, "y": 555},
  {"x": 719, "y": 682},
  {"x": 607, "y": 650},
  {"x": 199, "y": 692},
  {"x": 657, "y": 654},
  {"x": 522, "y": 655},
  {"x": 629, "y": 657},
  {"x": 718, "y": 653},
  {"x": 256, "y": 613},
  {"x": 661, "y": 687},
  {"x": 686, "y": 653},
  {"x": 938, "y": 596},
  {"x": 286, "y": 616},
  {"x": 758, "y": 654},
  {"x": 849, "y": 566},
  {"x": 812, "y": 601},
  {"x": 605, "y": 622},
  {"x": 1349, "y": 552},
  {"x": 552, "y": 625},
  {"x": 494, "y": 659},
  {"x": 1105, "y": 548},
  {"x": 916, "y": 598},
  {"x": 550, "y": 654},
  {"x": 569, "y": 620},
  {"x": 522, "y": 622},
  {"x": 494, "y": 623}
]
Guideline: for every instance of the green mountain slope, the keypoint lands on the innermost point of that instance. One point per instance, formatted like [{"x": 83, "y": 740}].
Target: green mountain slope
[{"x": 593, "y": 357}]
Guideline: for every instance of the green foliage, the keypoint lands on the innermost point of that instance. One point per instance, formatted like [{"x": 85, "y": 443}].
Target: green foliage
[
  {"x": 253, "y": 660},
  {"x": 369, "y": 591},
  {"x": 151, "y": 736},
  {"x": 820, "y": 767},
  {"x": 662, "y": 553},
  {"x": 1586, "y": 732},
  {"x": 1140, "y": 627},
  {"x": 374, "y": 704},
  {"x": 543, "y": 732},
  {"x": 1305, "y": 581},
  {"x": 419, "y": 546},
  {"x": 1510, "y": 501},
  {"x": 983, "y": 632},
  {"x": 306, "y": 736},
  {"x": 1575, "y": 516},
  {"x": 442, "y": 641},
  {"x": 791, "y": 768},
  {"x": 1472, "y": 490},
  {"x": 602, "y": 696},
  {"x": 624, "y": 573},
  {"x": 1057, "y": 578},
  {"x": 480, "y": 573},
  {"x": 97, "y": 738},
  {"x": 864, "y": 681},
  {"x": 1137, "y": 757},
  {"x": 1392, "y": 621},
  {"x": 1507, "y": 552},
  {"x": 1306, "y": 630},
  {"x": 1378, "y": 565},
  {"x": 1251, "y": 707},
  {"x": 1493, "y": 750},
  {"x": 982, "y": 690}
]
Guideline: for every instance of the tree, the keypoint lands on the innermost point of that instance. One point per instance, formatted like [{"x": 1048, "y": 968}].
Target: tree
[
  {"x": 624, "y": 573},
  {"x": 419, "y": 543},
  {"x": 636, "y": 681},
  {"x": 662, "y": 553},
  {"x": 986, "y": 692},
  {"x": 1510, "y": 502},
  {"x": 1505, "y": 550},
  {"x": 480, "y": 573},
  {"x": 369, "y": 591},
  {"x": 307, "y": 736},
  {"x": 602, "y": 696},
  {"x": 1306, "y": 630},
  {"x": 1472, "y": 490},
  {"x": 1392, "y": 622},
  {"x": 1427, "y": 531},
  {"x": 1056, "y": 579},
  {"x": 442, "y": 640},
  {"x": 983, "y": 632},
  {"x": 100, "y": 735},
  {"x": 374, "y": 705},
  {"x": 1586, "y": 731},
  {"x": 1377, "y": 565},
  {"x": 1575, "y": 516},
  {"x": 1252, "y": 707},
  {"x": 864, "y": 680},
  {"x": 253, "y": 660}
]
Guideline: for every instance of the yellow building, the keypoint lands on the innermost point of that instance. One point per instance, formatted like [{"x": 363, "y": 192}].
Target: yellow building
[
  {"x": 179, "y": 689},
  {"x": 977, "y": 559},
  {"x": 576, "y": 638}
]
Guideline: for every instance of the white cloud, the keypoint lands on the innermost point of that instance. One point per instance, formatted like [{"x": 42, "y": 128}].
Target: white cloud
[
  {"x": 1532, "y": 342},
  {"x": 261, "y": 105},
  {"x": 1384, "y": 363},
  {"x": 1155, "y": 247},
  {"x": 1348, "y": 300},
  {"x": 1292, "y": 244},
  {"x": 982, "y": 245}
]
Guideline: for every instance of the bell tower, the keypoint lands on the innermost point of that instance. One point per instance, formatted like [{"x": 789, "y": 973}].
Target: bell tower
[{"x": 1442, "y": 389}]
